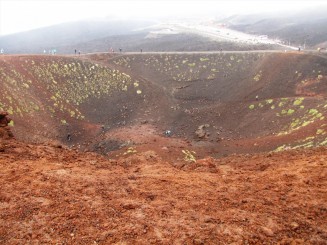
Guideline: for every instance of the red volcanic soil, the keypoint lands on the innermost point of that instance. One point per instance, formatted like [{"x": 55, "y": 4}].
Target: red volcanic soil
[
  {"x": 53, "y": 195},
  {"x": 146, "y": 188}
]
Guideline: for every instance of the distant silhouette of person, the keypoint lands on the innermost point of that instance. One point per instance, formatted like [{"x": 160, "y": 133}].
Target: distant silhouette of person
[
  {"x": 141, "y": 50},
  {"x": 75, "y": 51},
  {"x": 120, "y": 50},
  {"x": 79, "y": 52}
]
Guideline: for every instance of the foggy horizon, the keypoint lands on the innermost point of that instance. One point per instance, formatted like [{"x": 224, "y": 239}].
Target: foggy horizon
[{"x": 19, "y": 16}]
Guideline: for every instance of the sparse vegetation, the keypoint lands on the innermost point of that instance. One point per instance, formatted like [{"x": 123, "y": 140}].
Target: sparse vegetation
[
  {"x": 82, "y": 81},
  {"x": 189, "y": 156},
  {"x": 130, "y": 150},
  {"x": 66, "y": 85}
]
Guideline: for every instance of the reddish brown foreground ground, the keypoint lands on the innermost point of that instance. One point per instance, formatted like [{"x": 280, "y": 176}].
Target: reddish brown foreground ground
[{"x": 51, "y": 195}]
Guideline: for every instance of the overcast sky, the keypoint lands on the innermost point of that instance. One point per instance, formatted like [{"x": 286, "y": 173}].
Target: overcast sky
[{"x": 22, "y": 15}]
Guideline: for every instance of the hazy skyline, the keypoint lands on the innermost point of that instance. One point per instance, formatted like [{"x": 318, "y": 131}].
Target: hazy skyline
[{"x": 18, "y": 15}]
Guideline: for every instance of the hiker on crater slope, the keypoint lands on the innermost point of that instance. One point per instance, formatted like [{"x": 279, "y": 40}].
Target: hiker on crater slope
[
  {"x": 168, "y": 133},
  {"x": 69, "y": 137}
]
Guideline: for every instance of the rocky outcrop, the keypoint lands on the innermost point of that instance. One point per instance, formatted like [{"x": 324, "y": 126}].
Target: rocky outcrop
[
  {"x": 5, "y": 132},
  {"x": 201, "y": 131}
]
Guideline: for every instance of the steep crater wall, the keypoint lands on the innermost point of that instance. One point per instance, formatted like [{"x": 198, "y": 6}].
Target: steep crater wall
[
  {"x": 241, "y": 94},
  {"x": 50, "y": 97},
  {"x": 276, "y": 99}
]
